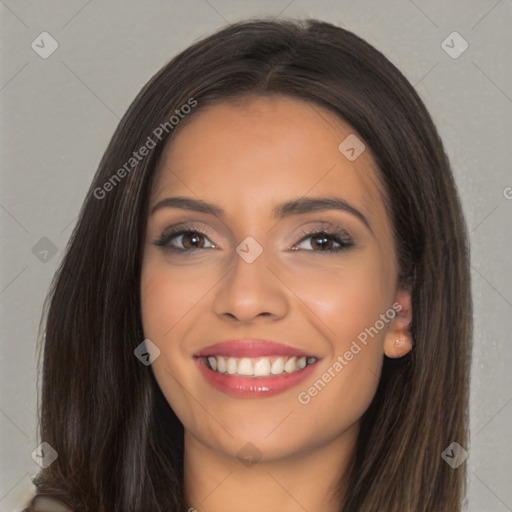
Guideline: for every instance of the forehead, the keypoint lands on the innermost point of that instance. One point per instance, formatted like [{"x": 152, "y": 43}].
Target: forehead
[{"x": 259, "y": 148}]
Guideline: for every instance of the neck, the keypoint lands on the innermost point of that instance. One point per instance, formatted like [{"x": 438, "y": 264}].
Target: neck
[{"x": 310, "y": 480}]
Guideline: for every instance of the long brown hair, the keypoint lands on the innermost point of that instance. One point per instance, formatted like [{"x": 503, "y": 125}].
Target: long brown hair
[{"x": 119, "y": 444}]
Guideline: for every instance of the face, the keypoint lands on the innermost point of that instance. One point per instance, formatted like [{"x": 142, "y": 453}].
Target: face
[{"x": 272, "y": 307}]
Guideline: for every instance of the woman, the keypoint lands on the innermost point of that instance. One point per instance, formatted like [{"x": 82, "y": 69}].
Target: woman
[{"x": 265, "y": 302}]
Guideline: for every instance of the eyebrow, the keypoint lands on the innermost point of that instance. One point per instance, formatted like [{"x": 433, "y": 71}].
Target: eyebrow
[{"x": 298, "y": 206}]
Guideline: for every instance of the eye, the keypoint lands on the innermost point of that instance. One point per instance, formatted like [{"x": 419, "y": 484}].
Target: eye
[
  {"x": 193, "y": 239},
  {"x": 326, "y": 241},
  {"x": 184, "y": 240}
]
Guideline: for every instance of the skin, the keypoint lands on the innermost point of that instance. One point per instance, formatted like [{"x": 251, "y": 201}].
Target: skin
[{"x": 246, "y": 156}]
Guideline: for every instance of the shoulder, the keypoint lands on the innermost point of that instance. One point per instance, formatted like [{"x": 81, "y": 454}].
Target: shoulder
[{"x": 46, "y": 503}]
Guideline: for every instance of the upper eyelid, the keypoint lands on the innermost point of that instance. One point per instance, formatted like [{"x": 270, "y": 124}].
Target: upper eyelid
[
  {"x": 315, "y": 224},
  {"x": 180, "y": 229}
]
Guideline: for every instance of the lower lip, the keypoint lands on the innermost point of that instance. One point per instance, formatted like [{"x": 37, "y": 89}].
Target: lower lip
[{"x": 244, "y": 387}]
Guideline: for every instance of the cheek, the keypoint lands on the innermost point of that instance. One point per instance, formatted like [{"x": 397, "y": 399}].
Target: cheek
[
  {"x": 159, "y": 303},
  {"x": 168, "y": 294},
  {"x": 347, "y": 299},
  {"x": 350, "y": 303},
  {"x": 167, "y": 298}
]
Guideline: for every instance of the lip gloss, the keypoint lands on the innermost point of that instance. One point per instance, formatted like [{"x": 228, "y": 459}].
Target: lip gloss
[
  {"x": 285, "y": 367},
  {"x": 243, "y": 387}
]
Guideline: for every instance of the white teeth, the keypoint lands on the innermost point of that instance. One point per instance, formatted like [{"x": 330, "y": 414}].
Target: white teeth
[
  {"x": 290, "y": 365},
  {"x": 221, "y": 364},
  {"x": 259, "y": 366},
  {"x": 277, "y": 366},
  {"x": 245, "y": 367},
  {"x": 231, "y": 365},
  {"x": 262, "y": 367}
]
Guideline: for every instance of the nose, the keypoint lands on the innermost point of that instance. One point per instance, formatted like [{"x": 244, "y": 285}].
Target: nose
[{"x": 251, "y": 292}]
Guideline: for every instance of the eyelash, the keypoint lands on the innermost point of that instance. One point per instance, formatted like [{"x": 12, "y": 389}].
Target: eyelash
[{"x": 338, "y": 236}]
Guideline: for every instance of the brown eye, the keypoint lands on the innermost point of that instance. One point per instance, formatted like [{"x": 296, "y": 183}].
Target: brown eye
[
  {"x": 322, "y": 241},
  {"x": 185, "y": 240},
  {"x": 192, "y": 240}
]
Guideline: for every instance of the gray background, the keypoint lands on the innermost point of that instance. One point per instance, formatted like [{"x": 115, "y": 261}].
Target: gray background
[{"x": 58, "y": 114}]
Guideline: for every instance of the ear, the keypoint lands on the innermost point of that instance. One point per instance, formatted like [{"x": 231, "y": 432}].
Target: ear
[{"x": 398, "y": 339}]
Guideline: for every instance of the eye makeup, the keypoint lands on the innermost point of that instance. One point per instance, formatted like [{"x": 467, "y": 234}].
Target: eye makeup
[{"x": 327, "y": 239}]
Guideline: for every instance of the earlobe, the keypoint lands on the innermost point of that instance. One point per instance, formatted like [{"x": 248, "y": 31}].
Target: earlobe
[
  {"x": 400, "y": 347},
  {"x": 398, "y": 340}
]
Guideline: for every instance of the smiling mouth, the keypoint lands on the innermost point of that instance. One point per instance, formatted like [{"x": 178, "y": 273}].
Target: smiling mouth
[
  {"x": 269, "y": 366},
  {"x": 254, "y": 368}
]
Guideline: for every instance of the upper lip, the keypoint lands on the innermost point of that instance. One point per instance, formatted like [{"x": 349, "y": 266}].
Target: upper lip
[{"x": 251, "y": 348}]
